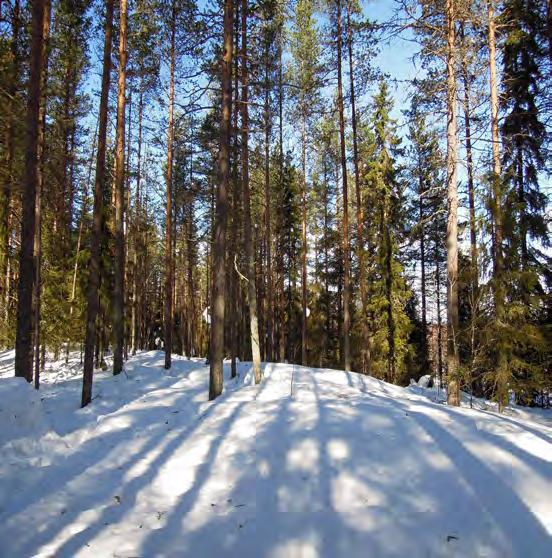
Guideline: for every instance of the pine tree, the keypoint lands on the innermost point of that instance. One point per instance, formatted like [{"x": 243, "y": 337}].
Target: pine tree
[{"x": 218, "y": 288}]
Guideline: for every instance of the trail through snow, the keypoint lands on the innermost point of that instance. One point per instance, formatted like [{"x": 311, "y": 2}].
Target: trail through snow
[{"x": 311, "y": 463}]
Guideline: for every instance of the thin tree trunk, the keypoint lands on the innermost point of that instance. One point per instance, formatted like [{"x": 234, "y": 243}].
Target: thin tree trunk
[
  {"x": 168, "y": 222},
  {"x": 236, "y": 196},
  {"x": 453, "y": 362},
  {"x": 469, "y": 164},
  {"x": 9, "y": 149},
  {"x": 136, "y": 280},
  {"x": 282, "y": 321},
  {"x": 84, "y": 211},
  {"x": 502, "y": 372},
  {"x": 119, "y": 187},
  {"x": 92, "y": 297},
  {"x": 27, "y": 274},
  {"x": 439, "y": 321},
  {"x": 365, "y": 340},
  {"x": 247, "y": 228},
  {"x": 218, "y": 282},
  {"x": 268, "y": 203},
  {"x": 423, "y": 266},
  {"x": 346, "y": 243},
  {"x": 304, "y": 352},
  {"x": 38, "y": 208}
]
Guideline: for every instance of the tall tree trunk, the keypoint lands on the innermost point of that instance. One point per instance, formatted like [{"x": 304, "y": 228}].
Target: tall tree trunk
[
  {"x": 92, "y": 296},
  {"x": 282, "y": 321},
  {"x": 236, "y": 197},
  {"x": 268, "y": 204},
  {"x": 218, "y": 282},
  {"x": 346, "y": 243},
  {"x": 453, "y": 361},
  {"x": 439, "y": 321},
  {"x": 304, "y": 352},
  {"x": 37, "y": 249},
  {"x": 9, "y": 150},
  {"x": 365, "y": 340},
  {"x": 23, "y": 340},
  {"x": 469, "y": 164},
  {"x": 119, "y": 286},
  {"x": 136, "y": 280},
  {"x": 502, "y": 372},
  {"x": 247, "y": 228},
  {"x": 168, "y": 221},
  {"x": 422, "y": 191}
]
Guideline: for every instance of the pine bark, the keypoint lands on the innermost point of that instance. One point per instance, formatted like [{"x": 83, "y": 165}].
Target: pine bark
[
  {"x": 268, "y": 204},
  {"x": 37, "y": 249},
  {"x": 502, "y": 372},
  {"x": 119, "y": 190},
  {"x": 345, "y": 239},
  {"x": 9, "y": 150},
  {"x": 365, "y": 340},
  {"x": 423, "y": 258},
  {"x": 168, "y": 217},
  {"x": 453, "y": 361},
  {"x": 247, "y": 227},
  {"x": 470, "y": 168},
  {"x": 304, "y": 248},
  {"x": 92, "y": 296},
  {"x": 218, "y": 275},
  {"x": 27, "y": 269}
]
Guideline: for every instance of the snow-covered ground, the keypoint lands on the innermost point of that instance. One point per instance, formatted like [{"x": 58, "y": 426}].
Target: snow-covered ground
[{"x": 311, "y": 463}]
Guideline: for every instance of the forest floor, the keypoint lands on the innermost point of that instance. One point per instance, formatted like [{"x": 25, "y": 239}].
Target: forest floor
[{"x": 311, "y": 463}]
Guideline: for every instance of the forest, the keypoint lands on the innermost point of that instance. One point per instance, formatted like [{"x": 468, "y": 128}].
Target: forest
[
  {"x": 275, "y": 278},
  {"x": 244, "y": 181}
]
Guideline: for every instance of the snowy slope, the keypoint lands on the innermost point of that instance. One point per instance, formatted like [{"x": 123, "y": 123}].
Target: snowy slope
[{"x": 311, "y": 463}]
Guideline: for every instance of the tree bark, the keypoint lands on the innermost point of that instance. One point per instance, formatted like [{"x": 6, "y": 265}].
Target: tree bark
[
  {"x": 453, "y": 361},
  {"x": 304, "y": 351},
  {"x": 9, "y": 149},
  {"x": 422, "y": 191},
  {"x": 37, "y": 249},
  {"x": 168, "y": 218},
  {"x": 92, "y": 296},
  {"x": 136, "y": 280},
  {"x": 346, "y": 243},
  {"x": 218, "y": 281},
  {"x": 502, "y": 372},
  {"x": 27, "y": 277},
  {"x": 119, "y": 187},
  {"x": 469, "y": 164},
  {"x": 268, "y": 203},
  {"x": 365, "y": 340},
  {"x": 247, "y": 228}
]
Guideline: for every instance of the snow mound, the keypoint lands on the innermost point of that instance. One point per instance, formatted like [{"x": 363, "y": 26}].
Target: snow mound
[{"x": 25, "y": 433}]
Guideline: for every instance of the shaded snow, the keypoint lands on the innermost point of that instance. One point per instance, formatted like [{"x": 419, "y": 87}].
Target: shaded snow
[{"x": 311, "y": 463}]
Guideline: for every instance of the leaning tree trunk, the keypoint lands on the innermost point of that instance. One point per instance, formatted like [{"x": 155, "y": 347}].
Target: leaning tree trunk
[
  {"x": 453, "y": 361},
  {"x": 168, "y": 221},
  {"x": 92, "y": 295},
  {"x": 346, "y": 243},
  {"x": 247, "y": 232},
  {"x": 119, "y": 283},
  {"x": 23, "y": 340},
  {"x": 218, "y": 275}
]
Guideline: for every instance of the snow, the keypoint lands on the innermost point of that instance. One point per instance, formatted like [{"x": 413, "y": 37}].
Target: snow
[{"x": 310, "y": 463}]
